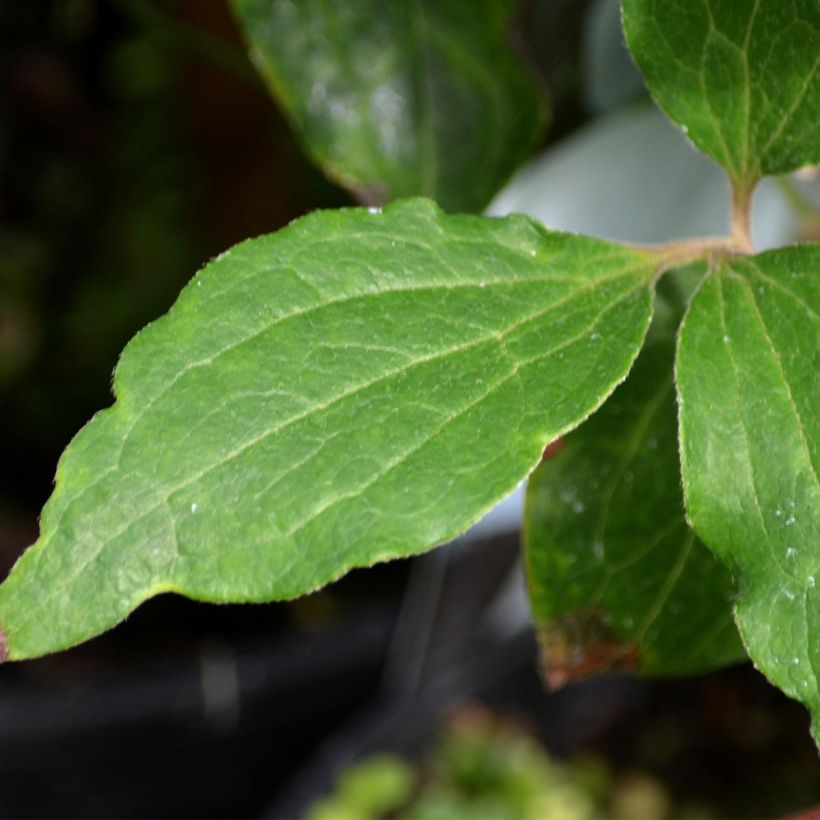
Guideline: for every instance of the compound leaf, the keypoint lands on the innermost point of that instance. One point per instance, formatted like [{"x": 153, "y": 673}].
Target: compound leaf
[
  {"x": 750, "y": 429},
  {"x": 357, "y": 387},
  {"x": 739, "y": 76},
  {"x": 400, "y": 98},
  {"x": 616, "y": 577}
]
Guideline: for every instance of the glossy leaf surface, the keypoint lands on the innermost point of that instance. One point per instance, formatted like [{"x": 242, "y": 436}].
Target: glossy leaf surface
[
  {"x": 749, "y": 397},
  {"x": 616, "y": 577},
  {"x": 357, "y": 387},
  {"x": 400, "y": 98},
  {"x": 741, "y": 77}
]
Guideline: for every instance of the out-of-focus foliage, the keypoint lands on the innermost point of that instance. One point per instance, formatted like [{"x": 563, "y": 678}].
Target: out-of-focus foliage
[
  {"x": 401, "y": 98},
  {"x": 482, "y": 768}
]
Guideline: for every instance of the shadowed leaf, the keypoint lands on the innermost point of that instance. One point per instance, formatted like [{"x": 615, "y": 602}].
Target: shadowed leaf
[
  {"x": 611, "y": 564},
  {"x": 403, "y": 97}
]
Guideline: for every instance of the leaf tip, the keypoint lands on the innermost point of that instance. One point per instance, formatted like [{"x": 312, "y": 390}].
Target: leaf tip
[
  {"x": 581, "y": 645},
  {"x": 553, "y": 448}
]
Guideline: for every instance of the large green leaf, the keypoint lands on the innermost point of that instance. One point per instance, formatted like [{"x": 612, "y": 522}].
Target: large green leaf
[
  {"x": 739, "y": 76},
  {"x": 616, "y": 577},
  {"x": 356, "y": 387},
  {"x": 403, "y": 97},
  {"x": 749, "y": 397}
]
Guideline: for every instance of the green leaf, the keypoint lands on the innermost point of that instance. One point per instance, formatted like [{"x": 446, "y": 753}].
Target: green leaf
[
  {"x": 749, "y": 396},
  {"x": 616, "y": 577},
  {"x": 400, "y": 98},
  {"x": 357, "y": 387},
  {"x": 739, "y": 76}
]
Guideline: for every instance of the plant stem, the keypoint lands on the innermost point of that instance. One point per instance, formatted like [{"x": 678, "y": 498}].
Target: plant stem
[
  {"x": 682, "y": 252},
  {"x": 739, "y": 241},
  {"x": 741, "y": 232}
]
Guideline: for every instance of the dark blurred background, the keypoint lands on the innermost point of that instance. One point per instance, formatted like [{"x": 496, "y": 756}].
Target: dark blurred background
[{"x": 136, "y": 142}]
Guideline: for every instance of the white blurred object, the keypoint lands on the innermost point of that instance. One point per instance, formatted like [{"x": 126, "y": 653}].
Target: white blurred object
[{"x": 630, "y": 176}]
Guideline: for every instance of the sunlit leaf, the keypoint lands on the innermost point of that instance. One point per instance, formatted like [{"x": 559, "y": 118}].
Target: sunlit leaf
[{"x": 357, "y": 387}]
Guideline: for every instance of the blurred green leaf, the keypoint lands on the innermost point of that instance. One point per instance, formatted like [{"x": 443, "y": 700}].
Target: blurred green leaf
[
  {"x": 400, "y": 98},
  {"x": 376, "y": 786},
  {"x": 616, "y": 577}
]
